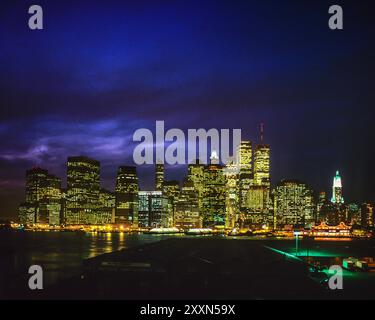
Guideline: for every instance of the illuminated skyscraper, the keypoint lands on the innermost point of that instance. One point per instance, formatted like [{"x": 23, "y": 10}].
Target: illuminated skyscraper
[
  {"x": 337, "y": 197},
  {"x": 106, "y": 210},
  {"x": 293, "y": 203},
  {"x": 231, "y": 199},
  {"x": 257, "y": 206},
  {"x": 262, "y": 165},
  {"x": 187, "y": 210},
  {"x": 83, "y": 187},
  {"x": 353, "y": 214},
  {"x": 49, "y": 208},
  {"x": 155, "y": 210},
  {"x": 127, "y": 196},
  {"x": 196, "y": 176},
  {"x": 244, "y": 163},
  {"x": 171, "y": 189},
  {"x": 244, "y": 156},
  {"x": 159, "y": 176},
  {"x": 367, "y": 215},
  {"x": 35, "y": 184},
  {"x": 43, "y": 198},
  {"x": 214, "y": 196}
]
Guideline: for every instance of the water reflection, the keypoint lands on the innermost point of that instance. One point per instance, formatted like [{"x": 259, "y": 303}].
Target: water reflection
[{"x": 59, "y": 253}]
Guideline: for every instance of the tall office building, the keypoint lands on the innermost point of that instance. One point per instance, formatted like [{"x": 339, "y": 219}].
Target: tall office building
[
  {"x": 258, "y": 196},
  {"x": 196, "y": 176},
  {"x": 159, "y": 176},
  {"x": 262, "y": 165},
  {"x": 106, "y": 209},
  {"x": 83, "y": 188},
  {"x": 244, "y": 156},
  {"x": 43, "y": 198},
  {"x": 337, "y": 196},
  {"x": 231, "y": 199},
  {"x": 214, "y": 196},
  {"x": 50, "y": 206},
  {"x": 171, "y": 189},
  {"x": 353, "y": 214},
  {"x": 155, "y": 210},
  {"x": 127, "y": 196},
  {"x": 293, "y": 203},
  {"x": 367, "y": 215},
  {"x": 187, "y": 210},
  {"x": 257, "y": 206},
  {"x": 35, "y": 184},
  {"x": 244, "y": 163}
]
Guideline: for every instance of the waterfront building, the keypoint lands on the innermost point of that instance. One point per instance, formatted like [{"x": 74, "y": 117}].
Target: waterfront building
[
  {"x": 214, "y": 196},
  {"x": 196, "y": 176},
  {"x": 155, "y": 210},
  {"x": 367, "y": 215},
  {"x": 257, "y": 205},
  {"x": 106, "y": 210},
  {"x": 83, "y": 187},
  {"x": 43, "y": 198},
  {"x": 244, "y": 162},
  {"x": 293, "y": 203},
  {"x": 126, "y": 194},
  {"x": 187, "y": 210},
  {"x": 353, "y": 214},
  {"x": 232, "y": 197},
  {"x": 27, "y": 213},
  {"x": 171, "y": 189}
]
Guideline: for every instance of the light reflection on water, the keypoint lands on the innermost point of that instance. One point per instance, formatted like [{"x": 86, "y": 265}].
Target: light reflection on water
[{"x": 60, "y": 253}]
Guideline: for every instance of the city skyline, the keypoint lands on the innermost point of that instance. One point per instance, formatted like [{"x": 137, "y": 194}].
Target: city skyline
[{"x": 234, "y": 195}]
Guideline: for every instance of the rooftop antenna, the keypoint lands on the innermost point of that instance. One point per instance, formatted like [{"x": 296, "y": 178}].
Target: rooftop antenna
[{"x": 261, "y": 132}]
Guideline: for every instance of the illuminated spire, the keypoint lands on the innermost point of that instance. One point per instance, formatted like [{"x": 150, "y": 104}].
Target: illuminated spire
[{"x": 337, "y": 189}]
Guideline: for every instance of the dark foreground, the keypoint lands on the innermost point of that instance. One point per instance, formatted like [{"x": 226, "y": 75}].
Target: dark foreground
[
  {"x": 214, "y": 268},
  {"x": 204, "y": 268}
]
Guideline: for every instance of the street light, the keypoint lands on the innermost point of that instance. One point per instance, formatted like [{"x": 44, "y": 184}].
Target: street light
[{"x": 296, "y": 234}]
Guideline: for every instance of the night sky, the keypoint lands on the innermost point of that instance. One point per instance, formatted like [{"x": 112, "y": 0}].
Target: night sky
[{"x": 99, "y": 70}]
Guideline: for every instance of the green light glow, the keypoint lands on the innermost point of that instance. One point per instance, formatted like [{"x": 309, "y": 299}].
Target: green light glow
[{"x": 284, "y": 253}]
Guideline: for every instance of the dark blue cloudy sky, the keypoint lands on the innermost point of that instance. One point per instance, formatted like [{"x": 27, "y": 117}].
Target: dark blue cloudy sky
[{"x": 102, "y": 69}]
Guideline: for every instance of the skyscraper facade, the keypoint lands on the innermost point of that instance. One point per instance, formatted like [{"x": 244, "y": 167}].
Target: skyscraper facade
[
  {"x": 214, "y": 196},
  {"x": 244, "y": 163},
  {"x": 293, "y": 204},
  {"x": 127, "y": 196},
  {"x": 196, "y": 176},
  {"x": 155, "y": 210},
  {"x": 232, "y": 196},
  {"x": 262, "y": 165},
  {"x": 337, "y": 196},
  {"x": 106, "y": 209},
  {"x": 187, "y": 210},
  {"x": 43, "y": 198},
  {"x": 83, "y": 188},
  {"x": 159, "y": 176}
]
